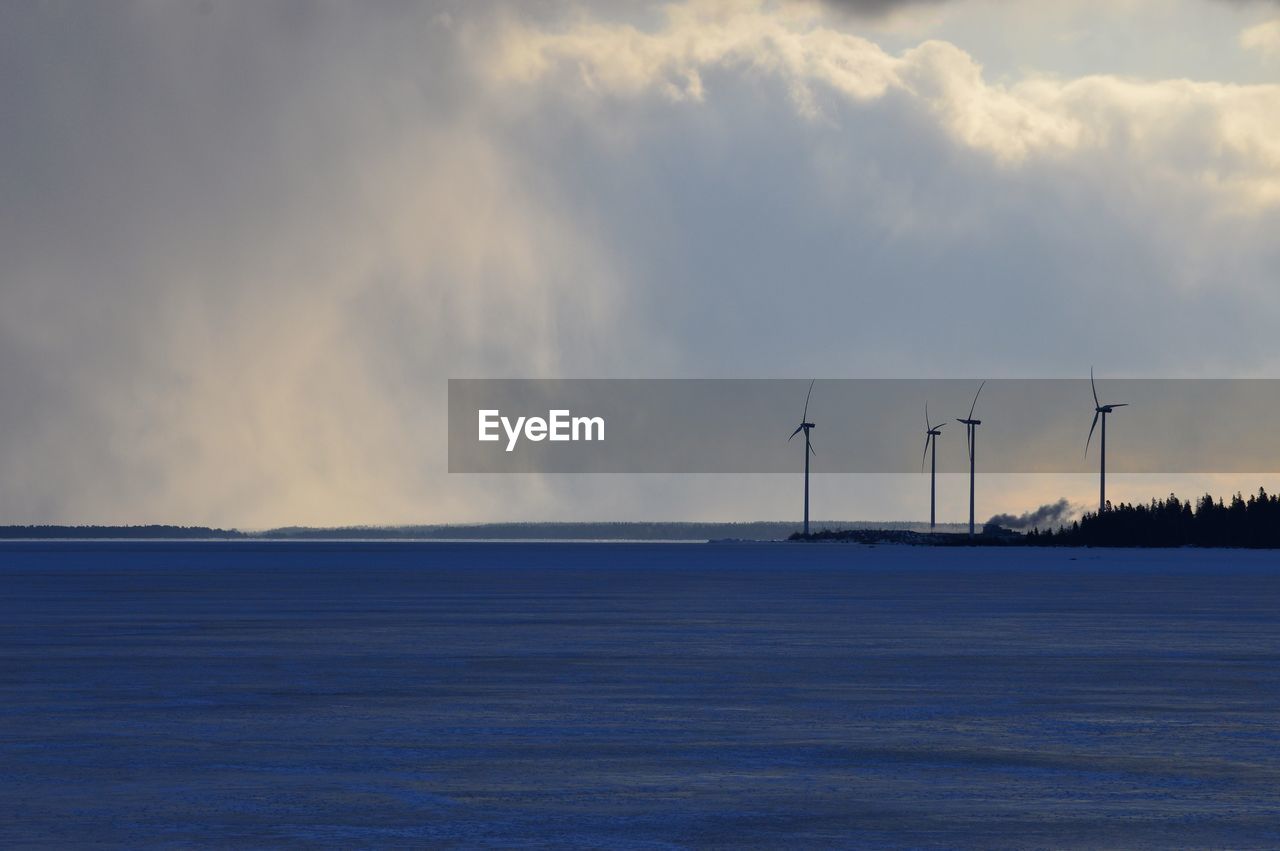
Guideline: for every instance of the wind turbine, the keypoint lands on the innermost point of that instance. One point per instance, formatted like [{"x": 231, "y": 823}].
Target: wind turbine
[
  {"x": 971, "y": 431},
  {"x": 931, "y": 433},
  {"x": 1100, "y": 410},
  {"x": 804, "y": 426}
]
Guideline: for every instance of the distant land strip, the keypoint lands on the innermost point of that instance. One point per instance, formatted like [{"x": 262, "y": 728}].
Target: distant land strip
[
  {"x": 1252, "y": 522},
  {"x": 764, "y": 530},
  {"x": 148, "y": 532}
]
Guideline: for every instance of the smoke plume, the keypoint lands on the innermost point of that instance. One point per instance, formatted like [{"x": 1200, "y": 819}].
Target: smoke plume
[{"x": 1044, "y": 517}]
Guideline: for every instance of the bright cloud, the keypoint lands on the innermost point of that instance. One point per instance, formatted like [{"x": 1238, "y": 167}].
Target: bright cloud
[
  {"x": 1264, "y": 38},
  {"x": 1225, "y": 136}
]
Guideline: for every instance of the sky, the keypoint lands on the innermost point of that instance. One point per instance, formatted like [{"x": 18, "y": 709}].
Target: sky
[{"x": 243, "y": 246}]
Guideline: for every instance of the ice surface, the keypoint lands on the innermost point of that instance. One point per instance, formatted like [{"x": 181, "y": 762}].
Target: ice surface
[{"x": 637, "y": 696}]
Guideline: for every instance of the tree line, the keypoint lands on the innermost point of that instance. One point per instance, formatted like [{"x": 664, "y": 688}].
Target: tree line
[{"x": 1171, "y": 522}]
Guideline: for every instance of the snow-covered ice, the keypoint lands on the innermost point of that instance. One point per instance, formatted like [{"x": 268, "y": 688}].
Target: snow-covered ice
[{"x": 637, "y": 696}]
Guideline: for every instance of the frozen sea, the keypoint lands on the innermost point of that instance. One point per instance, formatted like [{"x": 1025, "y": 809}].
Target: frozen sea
[{"x": 636, "y": 696}]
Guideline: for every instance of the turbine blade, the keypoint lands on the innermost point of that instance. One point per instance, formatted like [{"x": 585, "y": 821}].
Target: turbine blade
[
  {"x": 1096, "y": 414},
  {"x": 1094, "y": 388},
  {"x": 794, "y": 433},
  {"x": 971, "y": 435},
  {"x": 926, "y": 417},
  {"x": 975, "y": 399},
  {"x": 1118, "y": 405},
  {"x": 925, "y": 456},
  {"x": 811, "y": 449},
  {"x": 805, "y": 418},
  {"x": 939, "y": 425}
]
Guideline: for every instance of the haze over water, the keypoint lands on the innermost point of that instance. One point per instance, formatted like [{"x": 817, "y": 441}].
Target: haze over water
[{"x": 637, "y": 696}]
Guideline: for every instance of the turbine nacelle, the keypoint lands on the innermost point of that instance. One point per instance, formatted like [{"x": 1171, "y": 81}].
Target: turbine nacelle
[
  {"x": 931, "y": 432},
  {"x": 1099, "y": 410},
  {"x": 930, "y": 427},
  {"x": 805, "y": 425},
  {"x": 970, "y": 421},
  {"x": 802, "y": 427}
]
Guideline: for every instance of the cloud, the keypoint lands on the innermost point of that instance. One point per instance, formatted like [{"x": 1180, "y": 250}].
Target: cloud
[
  {"x": 1263, "y": 38},
  {"x": 876, "y": 7},
  {"x": 245, "y": 246},
  {"x": 244, "y": 250},
  {"x": 1225, "y": 137},
  {"x": 814, "y": 187}
]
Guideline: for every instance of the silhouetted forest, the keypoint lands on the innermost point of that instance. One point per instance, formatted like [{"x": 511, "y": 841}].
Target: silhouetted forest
[{"x": 1252, "y": 522}]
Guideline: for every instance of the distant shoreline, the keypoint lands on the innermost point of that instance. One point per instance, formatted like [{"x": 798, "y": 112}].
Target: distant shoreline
[
  {"x": 763, "y": 530},
  {"x": 253, "y": 539},
  {"x": 1252, "y": 523}
]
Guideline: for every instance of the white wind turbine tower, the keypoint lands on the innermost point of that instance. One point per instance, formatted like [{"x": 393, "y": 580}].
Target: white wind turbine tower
[
  {"x": 931, "y": 433},
  {"x": 971, "y": 430},
  {"x": 1100, "y": 410},
  {"x": 805, "y": 426}
]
